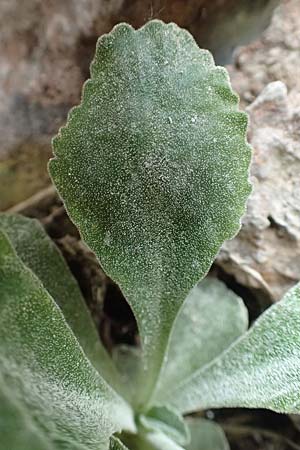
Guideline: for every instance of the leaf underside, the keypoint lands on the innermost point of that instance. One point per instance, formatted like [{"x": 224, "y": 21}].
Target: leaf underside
[
  {"x": 47, "y": 383},
  {"x": 153, "y": 170}
]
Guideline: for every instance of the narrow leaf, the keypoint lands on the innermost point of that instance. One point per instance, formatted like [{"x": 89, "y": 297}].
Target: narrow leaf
[
  {"x": 212, "y": 318},
  {"x": 260, "y": 370},
  {"x": 206, "y": 435},
  {"x": 44, "y": 367},
  {"x": 39, "y": 253},
  {"x": 153, "y": 169}
]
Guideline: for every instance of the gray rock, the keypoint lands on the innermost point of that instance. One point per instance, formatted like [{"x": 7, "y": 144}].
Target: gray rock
[
  {"x": 266, "y": 253},
  {"x": 275, "y": 56}
]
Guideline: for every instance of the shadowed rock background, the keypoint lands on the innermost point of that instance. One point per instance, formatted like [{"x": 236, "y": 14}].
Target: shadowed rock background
[{"x": 46, "y": 48}]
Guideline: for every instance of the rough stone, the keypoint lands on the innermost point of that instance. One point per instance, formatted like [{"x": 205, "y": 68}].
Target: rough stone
[
  {"x": 266, "y": 253},
  {"x": 275, "y": 56}
]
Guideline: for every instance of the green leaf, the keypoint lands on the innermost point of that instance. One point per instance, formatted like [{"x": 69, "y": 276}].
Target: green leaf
[
  {"x": 206, "y": 435},
  {"x": 116, "y": 444},
  {"x": 38, "y": 252},
  {"x": 211, "y": 318},
  {"x": 44, "y": 369},
  {"x": 260, "y": 370},
  {"x": 153, "y": 169},
  {"x": 168, "y": 421},
  {"x": 154, "y": 440},
  {"x": 17, "y": 430},
  {"x": 158, "y": 441},
  {"x": 128, "y": 361}
]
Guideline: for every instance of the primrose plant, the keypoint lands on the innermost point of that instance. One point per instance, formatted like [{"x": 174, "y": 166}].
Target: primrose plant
[{"x": 153, "y": 169}]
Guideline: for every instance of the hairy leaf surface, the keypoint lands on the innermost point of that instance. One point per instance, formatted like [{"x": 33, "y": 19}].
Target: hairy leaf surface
[
  {"x": 40, "y": 254},
  {"x": 206, "y": 435},
  {"x": 128, "y": 360},
  {"x": 260, "y": 370},
  {"x": 153, "y": 169},
  {"x": 44, "y": 368},
  {"x": 168, "y": 421},
  {"x": 17, "y": 430},
  {"x": 211, "y": 318}
]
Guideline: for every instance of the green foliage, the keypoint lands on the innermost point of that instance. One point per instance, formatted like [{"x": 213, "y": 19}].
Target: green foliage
[
  {"x": 168, "y": 421},
  {"x": 153, "y": 169},
  {"x": 206, "y": 435},
  {"x": 116, "y": 444},
  {"x": 47, "y": 380},
  {"x": 38, "y": 253},
  {"x": 212, "y": 318},
  {"x": 16, "y": 429},
  {"x": 260, "y": 370}
]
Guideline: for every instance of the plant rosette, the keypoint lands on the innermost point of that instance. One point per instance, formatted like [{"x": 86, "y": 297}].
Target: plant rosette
[{"x": 153, "y": 169}]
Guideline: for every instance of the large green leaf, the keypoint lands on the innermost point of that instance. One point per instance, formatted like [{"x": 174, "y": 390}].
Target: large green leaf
[
  {"x": 206, "y": 435},
  {"x": 153, "y": 169},
  {"x": 45, "y": 372},
  {"x": 211, "y": 318},
  {"x": 260, "y": 370},
  {"x": 38, "y": 252}
]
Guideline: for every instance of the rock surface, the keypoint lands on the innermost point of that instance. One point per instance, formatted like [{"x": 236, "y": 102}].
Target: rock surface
[
  {"x": 276, "y": 56},
  {"x": 266, "y": 253}
]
